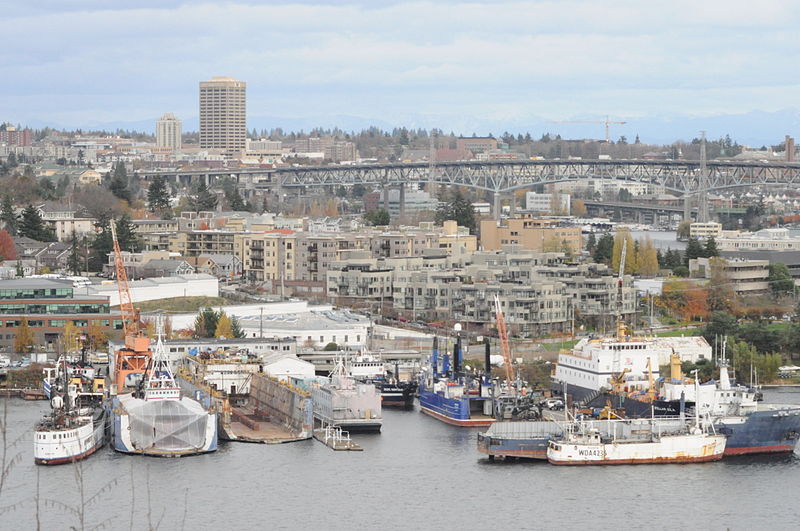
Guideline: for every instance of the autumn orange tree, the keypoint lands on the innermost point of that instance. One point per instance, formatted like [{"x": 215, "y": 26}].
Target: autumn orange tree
[
  {"x": 24, "y": 339},
  {"x": 684, "y": 299},
  {"x": 8, "y": 251}
]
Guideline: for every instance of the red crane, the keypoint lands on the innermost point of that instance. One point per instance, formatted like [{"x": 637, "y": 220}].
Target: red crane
[
  {"x": 505, "y": 346},
  {"x": 134, "y": 356}
]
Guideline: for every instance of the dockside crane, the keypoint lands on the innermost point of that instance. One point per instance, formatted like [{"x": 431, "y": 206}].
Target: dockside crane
[
  {"x": 135, "y": 355},
  {"x": 505, "y": 346}
]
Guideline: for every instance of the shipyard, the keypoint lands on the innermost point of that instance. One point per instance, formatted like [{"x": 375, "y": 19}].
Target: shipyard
[{"x": 399, "y": 265}]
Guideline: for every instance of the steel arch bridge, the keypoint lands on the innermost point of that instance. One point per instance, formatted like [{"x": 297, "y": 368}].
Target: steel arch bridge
[{"x": 682, "y": 177}]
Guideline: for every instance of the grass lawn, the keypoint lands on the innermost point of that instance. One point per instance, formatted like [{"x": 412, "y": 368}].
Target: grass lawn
[
  {"x": 181, "y": 304},
  {"x": 555, "y": 347},
  {"x": 678, "y": 333}
]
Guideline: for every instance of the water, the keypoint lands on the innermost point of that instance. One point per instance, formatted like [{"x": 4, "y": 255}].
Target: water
[
  {"x": 661, "y": 240},
  {"x": 418, "y": 474}
]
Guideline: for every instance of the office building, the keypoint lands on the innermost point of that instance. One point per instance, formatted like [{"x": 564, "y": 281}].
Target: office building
[{"x": 223, "y": 115}]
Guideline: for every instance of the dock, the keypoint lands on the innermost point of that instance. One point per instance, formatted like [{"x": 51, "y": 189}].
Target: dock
[{"x": 336, "y": 439}]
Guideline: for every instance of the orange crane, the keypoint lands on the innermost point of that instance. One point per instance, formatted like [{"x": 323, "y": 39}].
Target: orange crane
[
  {"x": 605, "y": 122},
  {"x": 505, "y": 347},
  {"x": 135, "y": 355}
]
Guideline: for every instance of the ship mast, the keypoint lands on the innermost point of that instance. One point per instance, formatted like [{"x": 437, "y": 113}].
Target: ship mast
[{"x": 135, "y": 355}]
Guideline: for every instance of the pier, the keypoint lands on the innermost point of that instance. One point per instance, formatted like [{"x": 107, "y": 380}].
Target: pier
[{"x": 336, "y": 439}]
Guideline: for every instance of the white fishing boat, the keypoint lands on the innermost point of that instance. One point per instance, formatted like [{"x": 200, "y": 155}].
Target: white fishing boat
[
  {"x": 590, "y": 447},
  {"x": 75, "y": 427}
]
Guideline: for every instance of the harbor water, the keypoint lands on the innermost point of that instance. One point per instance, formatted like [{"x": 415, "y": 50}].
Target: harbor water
[{"x": 418, "y": 473}]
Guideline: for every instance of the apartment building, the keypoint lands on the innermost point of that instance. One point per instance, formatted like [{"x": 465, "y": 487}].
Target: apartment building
[
  {"x": 269, "y": 256},
  {"x": 168, "y": 132},
  {"x": 703, "y": 231},
  {"x": 535, "y": 234}
]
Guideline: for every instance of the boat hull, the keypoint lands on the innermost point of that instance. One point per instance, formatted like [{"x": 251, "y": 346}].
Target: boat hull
[
  {"x": 79, "y": 446},
  {"x": 455, "y": 411},
  {"x": 464, "y": 423},
  {"x": 668, "y": 449},
  {"x": 767, "y": 431}
]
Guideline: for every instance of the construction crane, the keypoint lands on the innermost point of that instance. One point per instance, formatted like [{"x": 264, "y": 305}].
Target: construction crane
[
  {"x": 616, "y": 376},
  {"x": 505, "y": 347},
  {"x": 605, "y": 122},
  {"x": 135, "y": 355}
]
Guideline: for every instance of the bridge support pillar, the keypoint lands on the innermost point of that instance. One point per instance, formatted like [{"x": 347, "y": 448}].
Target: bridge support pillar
[
  {"x": 513, "y": 208},
  {"x": 687, "y": 207},
  {"x": 402, "y": 201},
  {"x": 497, "y": 209},
  {"x": 385, "y": 191}
]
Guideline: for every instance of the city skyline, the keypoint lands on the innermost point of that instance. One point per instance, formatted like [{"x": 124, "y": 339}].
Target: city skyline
[{"x": 666, "y": 67}]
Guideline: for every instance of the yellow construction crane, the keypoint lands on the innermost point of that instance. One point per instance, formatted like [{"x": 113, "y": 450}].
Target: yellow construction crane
[{"x": 605, "y": 122}]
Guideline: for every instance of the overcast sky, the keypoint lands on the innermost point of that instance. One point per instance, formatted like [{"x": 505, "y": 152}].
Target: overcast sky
[{"x": 84, "y": 61}]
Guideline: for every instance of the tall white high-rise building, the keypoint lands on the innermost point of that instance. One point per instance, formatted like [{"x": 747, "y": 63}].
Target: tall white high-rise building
[
  {"x": 168, "y": 132},
  {"x": 223, "y": 113}
]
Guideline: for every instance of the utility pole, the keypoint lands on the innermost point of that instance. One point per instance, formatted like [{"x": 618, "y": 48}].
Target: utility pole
[{"x": 261, "y": 324}]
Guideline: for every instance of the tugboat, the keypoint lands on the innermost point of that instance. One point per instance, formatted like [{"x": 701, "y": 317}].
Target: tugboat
[{"x": 76, "y": 426}]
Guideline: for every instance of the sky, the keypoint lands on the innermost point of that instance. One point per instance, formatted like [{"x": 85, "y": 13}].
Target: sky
[{"x": 462, "y": 66}]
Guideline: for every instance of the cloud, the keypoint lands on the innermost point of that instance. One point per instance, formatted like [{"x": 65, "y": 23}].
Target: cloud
[{"x": 90, "y": 61}]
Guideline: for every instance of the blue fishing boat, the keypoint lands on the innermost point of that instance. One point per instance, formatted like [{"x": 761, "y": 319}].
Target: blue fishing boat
[{"x": 452, "y": 395}]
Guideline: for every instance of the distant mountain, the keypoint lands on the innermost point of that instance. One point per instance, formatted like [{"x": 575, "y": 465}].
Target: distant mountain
[{"x": 754, "y": 128}]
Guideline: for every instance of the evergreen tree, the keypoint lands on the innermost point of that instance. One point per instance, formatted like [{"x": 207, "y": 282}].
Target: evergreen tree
[
  {"x": 377, "y": 217},
  {"x": 158, "y": 197},
  {"x": 8, "y": 216},
  {"x": 126, "y": 235},
  {"x": 591, "y": 242},
  {"x": 202, "y": 199},
  {"x": 101, "y": 244},
  {"x": 32, "y": 226},
  {"x": 604, "y": 249},
  {"x": 74, "y": 259},
  {"x": 711, "y": 248},
  {"x": 458, "y": 208},
  {"x": 693, "y": 250},
  {"x": 205, "y": 324},
  {"x": 119, "y": 182},
  {"x": 780, "y": 280},
  {"x": 236, "y": 328}
]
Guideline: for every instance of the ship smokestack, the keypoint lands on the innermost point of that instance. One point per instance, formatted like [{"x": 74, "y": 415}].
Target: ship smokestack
[
  {"x": 457, "y": 356},
  {"x": 435, "y": 356},
  {"x": 487, "y": 356}
]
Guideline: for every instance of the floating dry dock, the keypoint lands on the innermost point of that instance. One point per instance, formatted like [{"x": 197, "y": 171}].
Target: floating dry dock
[{"x": 253, "y": 407}]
